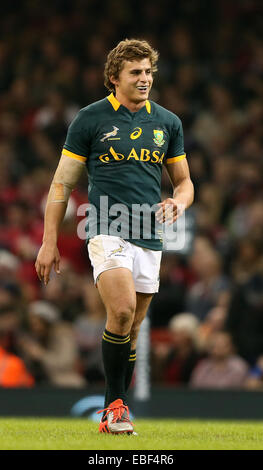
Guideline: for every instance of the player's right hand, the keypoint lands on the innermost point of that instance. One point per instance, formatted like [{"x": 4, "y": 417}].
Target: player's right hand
[{"x": 48, "y": 256}]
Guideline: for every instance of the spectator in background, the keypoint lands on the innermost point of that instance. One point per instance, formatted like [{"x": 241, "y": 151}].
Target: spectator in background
[
  {"x": 22, "y": 234},
  {"x": 22, "y": 237},
  {"x": 10, "y": 322},
  {"x": 255, "y": 376},
  {"x": 248, "y": 259},
  {"x": 214, "y": 322},
  {"x": 173, "y": 362},
  {"x": 170, "y": 298},
  {"x": 89, "y": 327},
  {"x": 65, "y": 292},
  {"x": 11, "y": 298},
  {"x": 216, "y": 127},
  {"x": 212, "y": 287},
  {"x": 49, "y": 347},
  {"x": 244, "y": 320},
  {"x": 245, "y": 219},
  {"x": 222, "y": 368},
  {"x": 200, "y": 167},
  {"x": 209, "y": 209},
  {"x": 13, "y": 372}
]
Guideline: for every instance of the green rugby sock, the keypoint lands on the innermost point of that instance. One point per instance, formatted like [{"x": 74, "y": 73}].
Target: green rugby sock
[
  {"x": 128, "y": 376},
  {"x": 115, "y": 353}
]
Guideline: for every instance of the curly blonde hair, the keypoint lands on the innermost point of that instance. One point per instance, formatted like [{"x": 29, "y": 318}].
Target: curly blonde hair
[{"x": 129, "y": 49}]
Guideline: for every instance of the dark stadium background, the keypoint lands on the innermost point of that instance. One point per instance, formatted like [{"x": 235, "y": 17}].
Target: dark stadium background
[{"x": 210, "y": 74}]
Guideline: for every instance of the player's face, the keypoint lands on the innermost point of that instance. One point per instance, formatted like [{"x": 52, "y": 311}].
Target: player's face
[{"x": 135, "y": 81}]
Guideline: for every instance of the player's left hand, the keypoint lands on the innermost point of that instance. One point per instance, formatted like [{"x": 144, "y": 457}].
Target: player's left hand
[{"x": 169, "y": 211}]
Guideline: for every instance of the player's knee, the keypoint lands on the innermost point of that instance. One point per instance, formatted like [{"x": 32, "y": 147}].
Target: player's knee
[{"x": 123, "y": 317}]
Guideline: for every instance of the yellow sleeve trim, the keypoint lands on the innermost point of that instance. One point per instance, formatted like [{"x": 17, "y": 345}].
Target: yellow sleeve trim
[
  {"x": 67, "y": 153},
  {"x": 175, "y": 159}
]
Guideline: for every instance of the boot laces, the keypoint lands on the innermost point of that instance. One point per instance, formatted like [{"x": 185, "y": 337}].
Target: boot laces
[{"x": 117, "y": 413}]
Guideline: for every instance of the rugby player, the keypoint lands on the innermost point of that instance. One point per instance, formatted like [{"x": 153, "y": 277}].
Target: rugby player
[{"x": 123, "y": 140}]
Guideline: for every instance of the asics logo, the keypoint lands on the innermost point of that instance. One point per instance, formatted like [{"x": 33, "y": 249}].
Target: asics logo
[{"x": 136, "y": 133}]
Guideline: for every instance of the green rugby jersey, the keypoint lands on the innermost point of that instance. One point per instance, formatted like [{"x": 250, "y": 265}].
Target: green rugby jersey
[{"x": 124, "y": 153}]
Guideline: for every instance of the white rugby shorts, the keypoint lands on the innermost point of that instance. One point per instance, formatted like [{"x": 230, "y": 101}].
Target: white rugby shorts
[{"x": 110, "y": 252}]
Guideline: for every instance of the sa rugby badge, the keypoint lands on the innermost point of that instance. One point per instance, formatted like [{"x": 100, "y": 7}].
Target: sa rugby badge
[{"x": 158, "y": 137}]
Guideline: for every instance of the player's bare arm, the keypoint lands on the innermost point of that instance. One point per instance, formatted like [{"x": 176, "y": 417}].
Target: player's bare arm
[
  {"x": 65, "y": 179},
  {"x": 183, "y": 192}
]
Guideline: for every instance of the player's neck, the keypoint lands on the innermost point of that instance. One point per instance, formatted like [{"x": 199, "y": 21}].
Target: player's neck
[{"x": 132, "y": 106}]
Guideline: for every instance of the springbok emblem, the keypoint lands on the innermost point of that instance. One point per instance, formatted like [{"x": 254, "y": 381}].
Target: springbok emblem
[{"x": 110, "y": 134}]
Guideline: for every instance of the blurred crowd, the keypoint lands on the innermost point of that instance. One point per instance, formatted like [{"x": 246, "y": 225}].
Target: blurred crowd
[{"x": 207, "y": 320}]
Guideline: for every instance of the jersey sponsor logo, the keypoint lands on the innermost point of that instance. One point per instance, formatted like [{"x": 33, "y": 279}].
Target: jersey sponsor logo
[
  {"x": 105, "y": 158},
  {"x": 158, "y": 137},
  {"x": 136, "y": 133},
  {"x": 145, "y": 155},
  {"x": 108, "y": 135}
]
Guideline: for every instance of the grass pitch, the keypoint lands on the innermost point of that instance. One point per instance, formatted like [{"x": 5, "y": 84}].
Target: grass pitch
[{"x": 82, "y": 434}]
